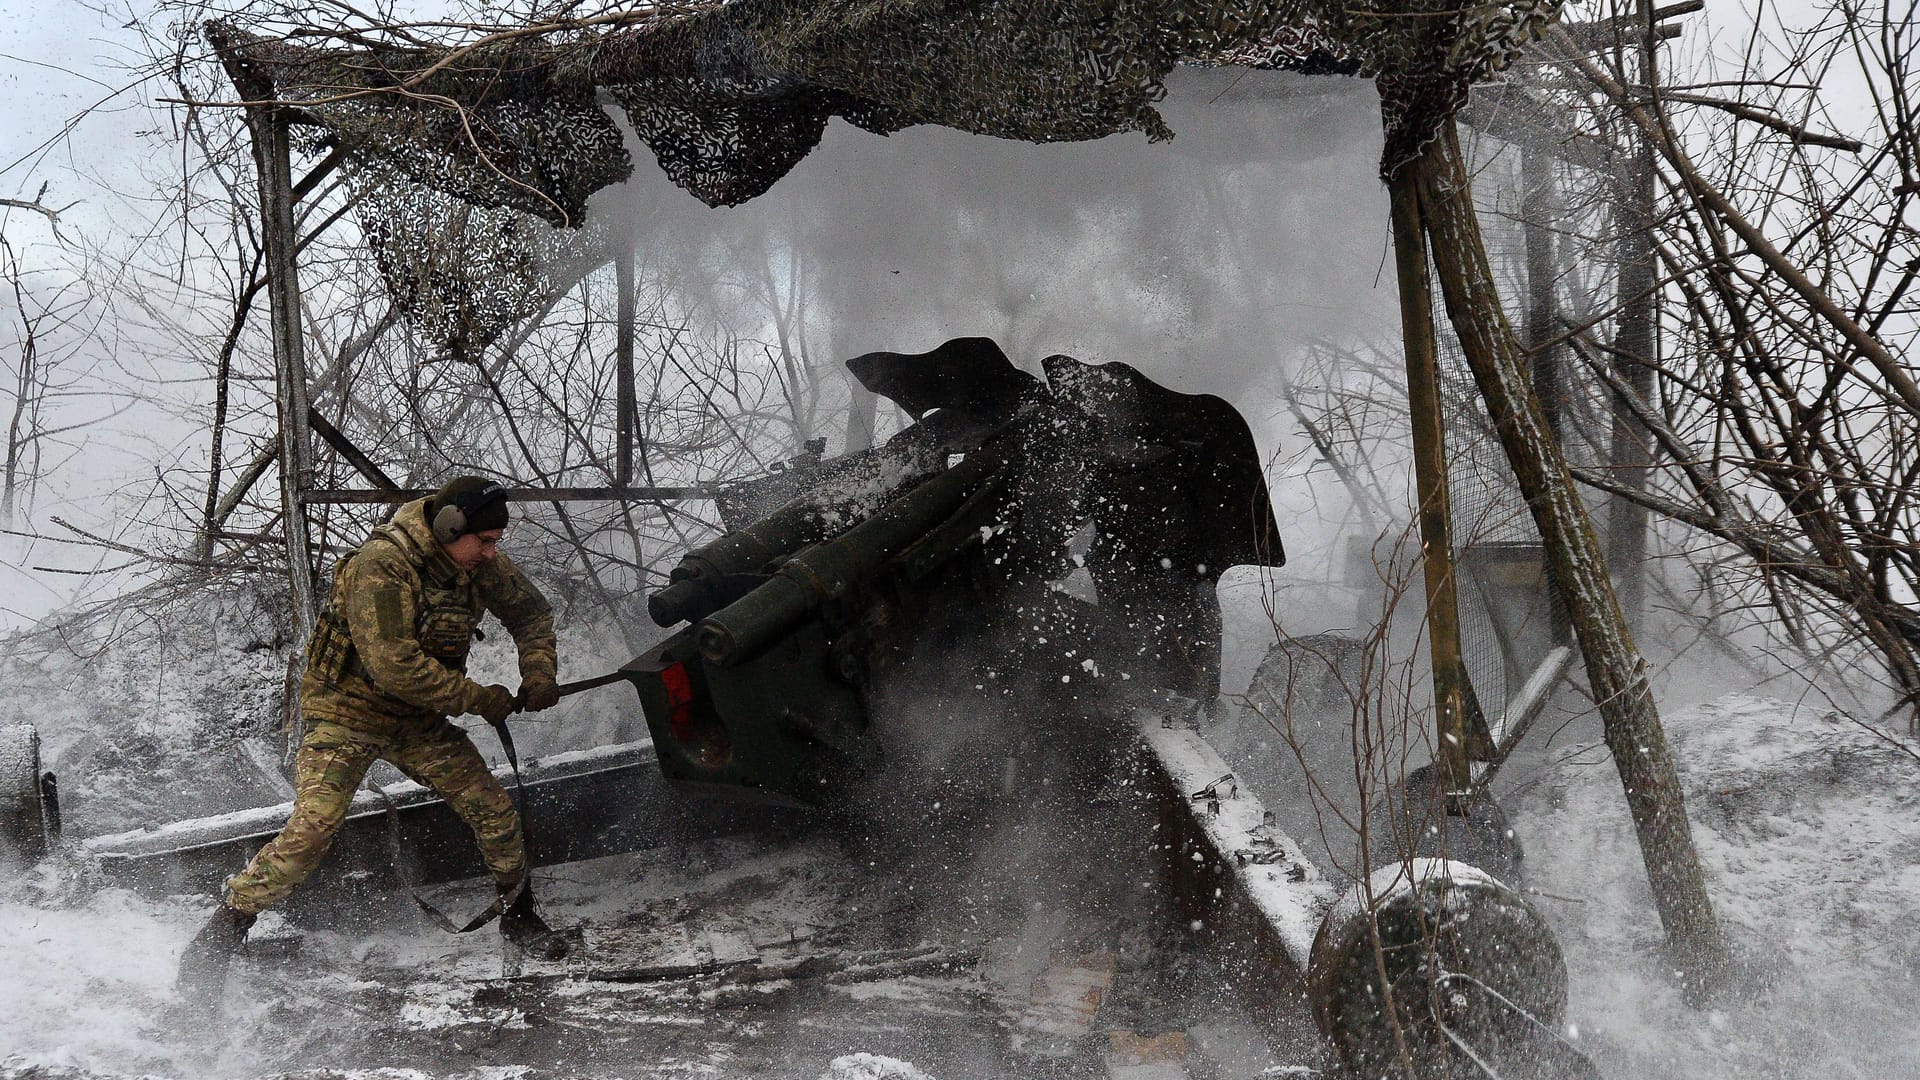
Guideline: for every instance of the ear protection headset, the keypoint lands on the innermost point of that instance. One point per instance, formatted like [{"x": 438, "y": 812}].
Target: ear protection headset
[{"x": 450, "y": 521}]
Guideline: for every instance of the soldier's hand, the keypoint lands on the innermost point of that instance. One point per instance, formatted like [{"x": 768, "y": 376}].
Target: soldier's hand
[
  {"x": 539, "y": 692},
  {"x": 494, "y": 704}
]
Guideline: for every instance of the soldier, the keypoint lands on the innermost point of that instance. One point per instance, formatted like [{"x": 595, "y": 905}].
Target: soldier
[{"x": 385, "y": 670}]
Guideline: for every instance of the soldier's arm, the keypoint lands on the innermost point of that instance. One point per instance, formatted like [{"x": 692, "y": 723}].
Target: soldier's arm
[
  {"x": 381, "y": 615},
  {"x": 520, "y": 607}
]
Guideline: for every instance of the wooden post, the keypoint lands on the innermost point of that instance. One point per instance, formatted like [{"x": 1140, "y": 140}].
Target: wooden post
[
  {"x": 273, "y": 161},
  {"x": 627, "y": 407},
  {"x": 1430, "y": 474},
  {"x": 1537, "y": 207},
  {"x": 1615, "y": 669},
  {"x": 1635, "y": 190},
  {"x": 1548, "y": 362}
]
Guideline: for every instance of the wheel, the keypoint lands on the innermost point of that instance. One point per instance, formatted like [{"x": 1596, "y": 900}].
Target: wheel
[{"x": 1475, "y": 975}]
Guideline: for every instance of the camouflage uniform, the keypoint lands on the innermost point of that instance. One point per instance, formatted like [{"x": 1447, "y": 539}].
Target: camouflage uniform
[{"x": 385, "y": 669}]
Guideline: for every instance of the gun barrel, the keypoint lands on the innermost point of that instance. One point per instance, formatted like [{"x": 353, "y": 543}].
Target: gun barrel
[
  {"x": 742, "y": 551},
  {"x": 844, "y": 493},
  {"x": 832, "y": 567}
]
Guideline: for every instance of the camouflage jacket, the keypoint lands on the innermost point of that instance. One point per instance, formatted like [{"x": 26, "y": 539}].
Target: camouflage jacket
[{"x": 391, "y": 644}]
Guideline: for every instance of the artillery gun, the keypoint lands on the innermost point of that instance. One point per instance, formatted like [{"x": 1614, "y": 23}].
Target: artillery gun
[
  {"x": 950, "y": 543},
  {"x": 1035, "y": 551},
  {"x": 954, "y": 539}
]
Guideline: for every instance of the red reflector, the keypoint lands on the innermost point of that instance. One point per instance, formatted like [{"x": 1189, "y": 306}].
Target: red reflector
[{"x": 679, "y": 689}]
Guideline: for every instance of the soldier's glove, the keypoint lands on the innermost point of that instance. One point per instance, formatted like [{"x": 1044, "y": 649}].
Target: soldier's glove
[
  {"x": 494, "y": 703},
  {"x": 539, "y": 692}
]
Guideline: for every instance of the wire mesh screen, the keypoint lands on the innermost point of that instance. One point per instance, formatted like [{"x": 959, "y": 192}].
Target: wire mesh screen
[{"x": 1510, "y": 616}]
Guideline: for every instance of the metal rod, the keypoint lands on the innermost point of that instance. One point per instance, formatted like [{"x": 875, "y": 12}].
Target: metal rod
[
  {"x": 568, "y": 689},
  {"x": 366, "y": 496},
  {"x": 623, "y": 353}
]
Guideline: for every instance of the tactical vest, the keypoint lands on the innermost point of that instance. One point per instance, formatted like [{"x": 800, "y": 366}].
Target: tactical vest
[{"x": 447, "y": 621}]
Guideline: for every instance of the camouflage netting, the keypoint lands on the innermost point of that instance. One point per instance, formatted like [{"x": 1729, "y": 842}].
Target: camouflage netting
[
  {"x": 462, "y": 272},
  {"x": 730, "y": 97}
]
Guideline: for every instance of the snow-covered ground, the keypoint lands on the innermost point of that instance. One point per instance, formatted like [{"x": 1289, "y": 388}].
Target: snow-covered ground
[
  {"x": 1807, "y": 822},
  {"x": 936, "y": 945},
  {"x": 1809, "y": 825}
]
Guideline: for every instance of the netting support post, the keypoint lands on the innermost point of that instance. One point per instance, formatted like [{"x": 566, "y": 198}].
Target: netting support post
[
  {"x": 1430, "y": 473},
  {"x": 1539, "y": 210},
  {"x": 1634, "y": 344},
  {"x": 273, "y": 163},
  {"x": 1437, "y": 185},
  {"x": 627, "y": 407}
]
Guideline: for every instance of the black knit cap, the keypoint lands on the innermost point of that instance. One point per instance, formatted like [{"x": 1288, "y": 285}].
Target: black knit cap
[{"x": 482, "y": 501}]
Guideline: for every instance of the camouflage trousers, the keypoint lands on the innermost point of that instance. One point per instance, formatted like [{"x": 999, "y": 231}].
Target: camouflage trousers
[{"x": 331, "y": 763}]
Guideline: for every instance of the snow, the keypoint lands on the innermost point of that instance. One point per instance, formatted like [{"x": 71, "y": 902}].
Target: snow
[
  {"x": 433, "y": 1016},
  {"x": 84, "y": 982},
  {"x": 1809, "y": 828},
  {"x": 871, "y": 1067},
  {"x": 1387, "y": 881},
  {"x": 1808, "y": 822},
  {"x": 19, "y": 760}
]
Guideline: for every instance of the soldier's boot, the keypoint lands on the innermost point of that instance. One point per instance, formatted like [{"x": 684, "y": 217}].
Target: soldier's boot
[
  {"x": 203, "y": 967},
  {"x": 523, "y": 926}
]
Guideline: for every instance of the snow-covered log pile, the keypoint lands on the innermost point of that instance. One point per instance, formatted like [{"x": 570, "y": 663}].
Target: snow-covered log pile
[{"x": 169, "y": 702}]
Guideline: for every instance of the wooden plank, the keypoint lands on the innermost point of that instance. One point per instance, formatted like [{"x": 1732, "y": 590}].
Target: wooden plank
[
  {"x": 342, "y": 445},
  {"x": 1131, "y": 1055},
  {"x": 268, "y": 128},
  {"x": 675, "y": 951},
  {"x": 1453, "y": 704},
  {"x": 1065, "y": 999}
]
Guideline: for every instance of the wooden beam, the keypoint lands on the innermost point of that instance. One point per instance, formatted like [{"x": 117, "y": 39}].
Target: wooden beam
[
  {"x": 318, "y": 174},
  {"x": 344, "y": 447},
  {"x": 1546, "y": 354},
  {"x": 1430, "y": 474},
  {"x": 626, "y": 414},
  {"x": 273, "y": 159},
  {"x": 1635, "y": 192}
]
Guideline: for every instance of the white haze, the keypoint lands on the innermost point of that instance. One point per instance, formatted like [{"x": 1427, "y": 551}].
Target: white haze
[
  {"x": 1208, "y": 262},
  {"x": 1205, "y": 261}
]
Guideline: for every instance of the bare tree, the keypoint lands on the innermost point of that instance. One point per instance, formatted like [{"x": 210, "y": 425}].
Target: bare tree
[{"x": 1776, "y": 413}]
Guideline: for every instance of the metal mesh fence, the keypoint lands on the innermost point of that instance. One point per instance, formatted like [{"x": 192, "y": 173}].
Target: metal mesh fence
[{"x": 1510, "y": 615}]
